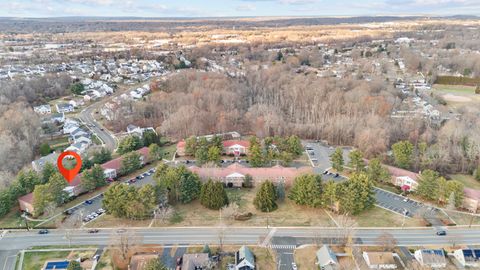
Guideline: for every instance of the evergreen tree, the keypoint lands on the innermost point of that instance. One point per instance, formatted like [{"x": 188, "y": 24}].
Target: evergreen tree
[
  {"x": 428, "y": 186},
  {"x": 356, "y": 195},
  {"x": 248, "y": 181},
  {"x": 180, "y": 184},
  {"x": 155, "y": 152},
  {"x": 255, "y": 156},
  {"x": 266, "y": 197},
  {"x": 45, "y": 149},
  {"x": 213, "y": 195},
  {"x": 281, "y": 191},
  {"x": 214, "y": 154},
  {"x": 129, "y": 144},
  {"x": 191, "y": 146},
  {"x": 190, "y": 186},
  {"x": 102, "y": 156},
  {"x": 48, "y": 170},
  {"x": 356, "y": 161},
  {"x": 294, "y": 145},
  {"x": 307, "y": 190},
  {"x": 376, "y": 172},
  {"x": 201, "y": 155},
  {"x": 130, "y": 163},
  {"x": 150, "y": 137},
  {"x": 330, "y": 194},
  {"x": 477, "y": 173},
  {"x": 337, "y": 159},
  {"x": 285, "y": 158},
  {"x": 403, "y": 154},
  {"x": 206, "y": 249},
  {"x": 93, "y": 178},
  {"x": 456, "y": 187},
  {"x": 441, "y": 192},
  {"x": 77, "y": 88},
  {"x": 28, "y": 179}
]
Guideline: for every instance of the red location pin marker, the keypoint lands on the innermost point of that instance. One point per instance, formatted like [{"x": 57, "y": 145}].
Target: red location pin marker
[{"x": 69, "y": 174}]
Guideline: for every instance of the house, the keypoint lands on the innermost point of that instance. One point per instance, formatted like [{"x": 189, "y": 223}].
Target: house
[
  {"x": 79, "y": 148},
  {"x": 196, "y": 261},
  {"x": 64, "y": 108},
  {"x": 38, "y": 164},
  {"x": 230, "y": 147},
  {"x": 26, "y": 203},
  {"x": 406, "y": 183},
  {"x": 326, "y": 258},
  {"x": 54, "y": 118},
  {"x": 434, "y": 258},
  {"x": 235, "y": 147},
  {"x": 234, "y": 175},
  {"x": 78, "y": 132},
  {"x": 468, "y": 257},
  {"x": 138, "y": 131},
  {"x": 112, "y": 168},
  {"x": 380, "y": 260},
  {"x": 43, "y": 109},
  {"x": 471, "y": 199},
  {"x": 140, "y": 261},
  {"x": 70, "y": 125},
  {"x": 244, "y": 259}
]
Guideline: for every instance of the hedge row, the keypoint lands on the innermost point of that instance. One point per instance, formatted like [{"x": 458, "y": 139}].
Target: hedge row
[{"x": 454, "y": 80}]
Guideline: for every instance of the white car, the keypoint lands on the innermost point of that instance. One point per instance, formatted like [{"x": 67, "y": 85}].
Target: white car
[{"x": 294, "y": 266}]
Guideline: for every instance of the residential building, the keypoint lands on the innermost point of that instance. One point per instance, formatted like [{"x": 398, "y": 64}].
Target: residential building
[
  {"x": 112, "y": 168},
  {"x": 406, "y": 183},
  {"x": 138, "y": 131},
  {"x": 26, "y": 203},
  {"x": 79, "y": 147},
  {"x": 326, "y": 258},
  {"x": 51, "y": 158},
  {"x": 54, "y": 118},
  {"x": 230, "y": 147},
  {"x": 43, "y": 109},
  {"x": 434, "y": 258},
  {"x": 471, "y": 199},
  {"x": 64, "y": 108},
  {"x": 468, "y": 257},
  {"x": 196, "y": 261},
  {"x": 380, "y": 260},
  {"x": 234, "y": 175},
  {"x": 244, "y": 259}
]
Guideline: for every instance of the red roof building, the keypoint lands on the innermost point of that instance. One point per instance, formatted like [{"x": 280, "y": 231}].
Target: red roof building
[
  {"x": 230, "y": 147},
  {"x": 471, "y": 200},
  {"x": 235, "y": 174}
]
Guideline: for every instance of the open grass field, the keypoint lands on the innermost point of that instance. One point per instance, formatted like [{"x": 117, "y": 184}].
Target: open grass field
[
  {"x": 378, "y": 217},
  {"x": 287, "y": 214},
  {"x": 467, "y": 180},
  {"x": 457, "y": 95}
]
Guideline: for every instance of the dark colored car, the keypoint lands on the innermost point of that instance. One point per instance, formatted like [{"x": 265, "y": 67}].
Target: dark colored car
[
  {"x": 69, "y": 212},
  {"x": 93, "y": 231},
  {"x": 45, "y": 231},
  {"x": 336, "y": 175},
  {"x": 88, "y": 202},
  {"x": 442, "y": 233}
]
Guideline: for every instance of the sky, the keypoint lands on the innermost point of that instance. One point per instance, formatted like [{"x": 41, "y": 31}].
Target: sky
[{"x": 228, "y": 8}]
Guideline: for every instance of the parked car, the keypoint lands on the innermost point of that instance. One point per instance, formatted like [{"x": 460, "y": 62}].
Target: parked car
[
  {"x": 44, "y": 231},
  {"x": 325, "y": 172},
  {"x": 131, "y": 181},
  {"x": 441, "y": 233},
  {"x": 88, "y": 202},
  {"x": 294, "y": 266},
  {"x": 93, "y": 231},
  {"x": 69, "y": 212},
  {"x": 336, "y": 175},
  {"x": 86, "y": 219}
]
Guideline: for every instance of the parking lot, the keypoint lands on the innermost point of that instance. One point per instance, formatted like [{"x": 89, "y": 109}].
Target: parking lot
[
  {"x": 319, "y": 154},
  {"x": 403, "y": 205},
  {"x": 91, "y": 209}
]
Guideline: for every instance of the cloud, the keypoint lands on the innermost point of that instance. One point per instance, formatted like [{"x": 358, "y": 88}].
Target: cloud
[
  {"x": 245, "y": 7},
  {"x": 286, "y": 2}
]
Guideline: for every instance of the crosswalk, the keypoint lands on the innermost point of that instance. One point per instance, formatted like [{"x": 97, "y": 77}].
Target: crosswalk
[{"x": 282, "y": 246}]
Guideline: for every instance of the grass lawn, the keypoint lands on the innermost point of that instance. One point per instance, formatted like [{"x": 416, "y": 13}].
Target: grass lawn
[
  {"x": 463, "y": 218},
  {"x": 96, "y": 140},
  {"x": 36, "y": 260},
  {"x": 379, "y": 217},
  {"x": 388, "y": 187},
  {"x": 467, "y": 180},
  {"x": 305, "y": 257},
  {"x": 457, "y": 89},
  {"x": 107, "y": 221},
  {"x": 168, "y": 151},
  {"x": 287, "y": 214}
]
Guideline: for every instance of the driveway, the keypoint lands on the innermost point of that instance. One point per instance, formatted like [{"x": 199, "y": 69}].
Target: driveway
[
  {"x": 319, "y": 154},
  {"x": 171, "y": 261}
]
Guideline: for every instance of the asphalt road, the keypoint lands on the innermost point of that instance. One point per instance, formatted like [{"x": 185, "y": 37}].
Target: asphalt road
[
  {"x": 105, "y": 136},
  {"x": 239, "y": 236}
]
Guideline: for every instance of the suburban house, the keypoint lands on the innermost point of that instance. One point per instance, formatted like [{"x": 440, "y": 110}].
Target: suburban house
[
  {"x": 406, "y": 183},
  {"x": 380, "y": 260},
  {"x": 471, "y": 199},
  {"x": 404, "y": 179},
  {"x": 140, "y": 261},
  {"x": 38, "y": 164},
  {"x": 230, "y": 147},
  {"x": 43, "y": 109},
  {"x": 70, "y": 125},
  {"x": 468, "y": 257},
  {"x": 78, "y": 148},
  {"x": 434, "y": 258},
  {"x": 138, "y": 131},
  {"x": 64, "y": 108},
  {"x": 244, "y": 259},
  {"x": 326, "y": 258},
  {"x": 54, "y": 118},
  {"x": 195, "y": 261},
  {"x": 234, "y": 175}
]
